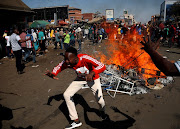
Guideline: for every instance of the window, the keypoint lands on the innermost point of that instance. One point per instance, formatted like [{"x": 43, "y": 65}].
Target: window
[{"x": 71, "y": 13}]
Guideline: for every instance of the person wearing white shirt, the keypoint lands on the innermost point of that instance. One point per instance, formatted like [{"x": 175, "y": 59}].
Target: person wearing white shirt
[
  {"x": 34, "y": 36},
  {"x": 8, "y": 46},
  {"x": 16, "y": 41},
  {"x": 86, "y": 32}
]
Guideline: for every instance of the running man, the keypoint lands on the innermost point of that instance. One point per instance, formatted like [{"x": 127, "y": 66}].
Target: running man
[{"x": 87, "y": 69}]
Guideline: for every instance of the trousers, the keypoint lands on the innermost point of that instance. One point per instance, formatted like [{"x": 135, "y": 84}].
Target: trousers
[
  {"x": 18, "y": 55},
  {"x": 74, "y": 87}
]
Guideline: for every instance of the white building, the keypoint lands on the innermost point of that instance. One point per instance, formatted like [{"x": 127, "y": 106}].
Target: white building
[
  {"x": 165, "y": 9},
  {"x": 129, "y": 18}
]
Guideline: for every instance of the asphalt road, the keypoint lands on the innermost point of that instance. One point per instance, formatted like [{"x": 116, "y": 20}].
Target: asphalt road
[{"x": 26, "y": 96}]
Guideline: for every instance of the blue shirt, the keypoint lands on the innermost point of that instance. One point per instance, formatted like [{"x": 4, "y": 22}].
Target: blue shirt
[
  {"x": 29, "y": 42},
  {"x": 177, "y": 64},
  {"x": 139, "y": 31},
  {"x": 102, "y": 30},
  {"x": 57, "y": 36},
  {"x": 41, "y": 34},
  {"x": 28, "y": 35}
]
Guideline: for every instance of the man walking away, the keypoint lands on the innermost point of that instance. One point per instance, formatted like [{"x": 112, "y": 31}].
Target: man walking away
[
  {"x": 61, "y": 33},
  {"x": 66, "y": 40},
  {"x": 72, "y": 38},
  {"x": 79, "y": 39},
  {"x": 41, "y": 38},
  {"x": 35, "y": 41},
  {"x": 57, "y": 40},
  {"x": 86, "y": 32},
  {"x": 16, "y": 41},
  {"x": 30, "y": 47},
  {"x": 23, "y": 44}
]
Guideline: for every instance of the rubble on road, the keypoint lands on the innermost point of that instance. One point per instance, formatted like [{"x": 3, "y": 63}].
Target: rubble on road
[{"x": 116, "y": 79}]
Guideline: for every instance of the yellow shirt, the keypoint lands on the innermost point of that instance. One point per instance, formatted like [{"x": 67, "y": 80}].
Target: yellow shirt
[
  {"x": 119, "y": 30},
  {"x": 51, "y": 34},
  {"x": 4, "y": 35}
]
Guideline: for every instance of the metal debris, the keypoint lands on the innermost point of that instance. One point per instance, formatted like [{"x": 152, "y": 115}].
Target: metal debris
[
  {"x": 158, "y": 86},
  {"x": 35, "y": 66},
  {"x": 166, "y": 81},
  {"x": 92, "y": 101},
  {"x": 116, "y": 79}
]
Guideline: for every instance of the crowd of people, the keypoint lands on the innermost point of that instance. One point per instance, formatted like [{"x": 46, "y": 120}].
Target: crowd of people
[
  {"x": 26, "y": 44},
  {"x": 169, "y": 31},
  {"x": 34, "y": 41}
]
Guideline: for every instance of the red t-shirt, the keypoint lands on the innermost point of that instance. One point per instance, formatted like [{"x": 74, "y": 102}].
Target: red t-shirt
[
  {"x": 85, "y": 65},
  {"x": 23, "y": 37}
]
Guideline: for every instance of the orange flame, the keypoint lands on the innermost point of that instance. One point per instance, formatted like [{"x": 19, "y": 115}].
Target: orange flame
[{"x": 127, "y": 52}]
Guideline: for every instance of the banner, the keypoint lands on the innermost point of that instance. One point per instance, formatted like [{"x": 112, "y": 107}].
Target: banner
[{"x": 109, "y": 15}]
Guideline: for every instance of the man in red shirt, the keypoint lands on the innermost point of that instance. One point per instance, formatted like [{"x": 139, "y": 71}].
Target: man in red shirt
[
  {"x": 87, "y": 69},
  {"x": 23, "y": 37}
]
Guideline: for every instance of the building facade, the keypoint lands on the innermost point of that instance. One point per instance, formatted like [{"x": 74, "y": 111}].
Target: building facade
[
  {"x": 14, "y": 13},
  {"x": 87, "y": 16},
  {"x": 74, "y": 15},
  {"x": 165, "y": 9},
  {"x": 49, "y": 13},
  {"x": 128, "y": 18}
]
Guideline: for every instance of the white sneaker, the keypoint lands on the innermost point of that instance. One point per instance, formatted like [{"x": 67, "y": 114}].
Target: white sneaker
[{"x": 73, "y": 125}]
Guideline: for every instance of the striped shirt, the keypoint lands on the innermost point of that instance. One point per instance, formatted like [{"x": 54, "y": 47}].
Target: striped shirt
[
  {"x": 85, "y": 65},
  {"x": 177, "y": 64},
  {"x": 29, "y": 42}
]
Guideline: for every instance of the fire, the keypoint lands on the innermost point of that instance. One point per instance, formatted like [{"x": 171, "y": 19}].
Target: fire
[{"x": 127, "y": 52}]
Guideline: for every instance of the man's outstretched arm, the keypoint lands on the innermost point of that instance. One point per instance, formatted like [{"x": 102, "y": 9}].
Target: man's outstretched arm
[
  {"x": 61, "y": 66},
  {"x": 167, "y": 67}
]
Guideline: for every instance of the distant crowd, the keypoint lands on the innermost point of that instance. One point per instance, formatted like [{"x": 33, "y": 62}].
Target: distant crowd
[
  {"x": 23, "y": 43},
  {"x": 170, "y": 32},
  {"x": 34, "y": 41}
]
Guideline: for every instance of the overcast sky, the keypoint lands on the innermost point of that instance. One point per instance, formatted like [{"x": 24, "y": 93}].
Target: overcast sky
[{"x": 141, "y": 9}]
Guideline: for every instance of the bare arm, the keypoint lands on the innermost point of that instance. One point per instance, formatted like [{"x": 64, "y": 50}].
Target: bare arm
[
  {"x": 167, "y": 67},
  {"x": 51, "y": 75},
  {"x": 21, "y": 41}
]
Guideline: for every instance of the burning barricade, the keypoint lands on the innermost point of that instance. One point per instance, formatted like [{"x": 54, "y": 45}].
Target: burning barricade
[
  {"x": 130, "y": 69},
  {"x": 116, "y": 79}
]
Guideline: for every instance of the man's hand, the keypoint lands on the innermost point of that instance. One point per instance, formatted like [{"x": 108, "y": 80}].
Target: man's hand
[
  {"x": 149, "y": 45},
  {"x": 51, "y": 75},
  {"x": 89, "y": 77},
  {"x": 115, "y": 109}
]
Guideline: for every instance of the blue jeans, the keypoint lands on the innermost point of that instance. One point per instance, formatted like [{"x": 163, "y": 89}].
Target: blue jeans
[
  {"x": 66, "y": 46},
  {"x": 28, "y": 52},
  {"x": 8, "y": 48},
  {"x": 61, "y": 43},
  {"x": 72, "y": 42},
  {"x": 79, "y": 42},
  {"x": 55, "y": 44}
]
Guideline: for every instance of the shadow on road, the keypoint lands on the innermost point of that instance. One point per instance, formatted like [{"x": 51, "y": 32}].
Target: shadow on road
[
  {"x": 106, "y": 124},
  {"x": 109, "y": 124},
  {"x": 7, "y": 114}
]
